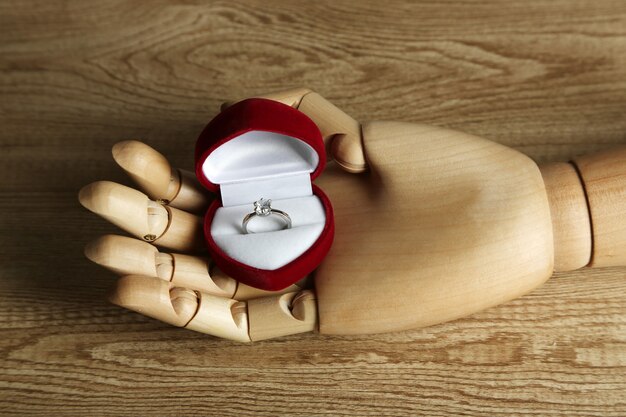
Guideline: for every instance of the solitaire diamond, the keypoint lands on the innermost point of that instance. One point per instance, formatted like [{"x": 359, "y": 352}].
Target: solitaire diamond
[{"x": 263, "y": 207}]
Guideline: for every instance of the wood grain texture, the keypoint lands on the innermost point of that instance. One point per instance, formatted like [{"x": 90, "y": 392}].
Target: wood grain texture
[{"x": 546, "y": 77}]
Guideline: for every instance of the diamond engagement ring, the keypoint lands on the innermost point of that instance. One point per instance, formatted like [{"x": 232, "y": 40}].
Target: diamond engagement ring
[{"x": 263, "y": 208}]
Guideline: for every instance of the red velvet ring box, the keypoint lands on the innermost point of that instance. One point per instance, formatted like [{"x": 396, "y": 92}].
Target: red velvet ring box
[{"x": 255, "y": 149}]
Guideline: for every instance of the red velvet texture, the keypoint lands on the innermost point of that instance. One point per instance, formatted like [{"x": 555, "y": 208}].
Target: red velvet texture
[{"x": 264, "y": 115}]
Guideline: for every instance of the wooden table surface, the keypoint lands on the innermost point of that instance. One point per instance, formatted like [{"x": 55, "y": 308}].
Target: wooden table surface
[{"x": 545, "y": 77}]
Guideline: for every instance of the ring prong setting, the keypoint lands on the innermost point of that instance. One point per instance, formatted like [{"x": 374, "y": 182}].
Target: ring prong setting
[{"x": 263, "y": 207}]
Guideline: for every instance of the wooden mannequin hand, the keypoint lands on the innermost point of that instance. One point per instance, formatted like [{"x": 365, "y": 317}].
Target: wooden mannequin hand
[{"x": 437, "y": 225}]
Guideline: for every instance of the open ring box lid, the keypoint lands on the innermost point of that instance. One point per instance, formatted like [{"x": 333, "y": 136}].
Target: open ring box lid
[{"x": 260, "y": 148}]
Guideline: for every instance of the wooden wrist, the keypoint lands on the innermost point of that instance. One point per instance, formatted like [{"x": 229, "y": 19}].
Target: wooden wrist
[
  {"x": 570, "y": 216},
  {"x": 588, "y": 207}
]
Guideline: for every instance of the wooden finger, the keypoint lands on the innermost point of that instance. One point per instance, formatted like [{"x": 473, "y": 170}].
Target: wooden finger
[
  {"x": 134, "y": 212},
  {"x": 242, "y": 321},
  {"x": 341, "y": 133},
  {"x": 282, "y": 315},
  {"x": 154, "y": 298},
  {"x": 152, "y": 172},
  {"x": 125, "y": 255}
]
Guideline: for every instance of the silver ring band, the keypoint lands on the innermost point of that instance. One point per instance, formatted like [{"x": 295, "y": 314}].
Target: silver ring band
[{"x": 263, "y": 208}]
